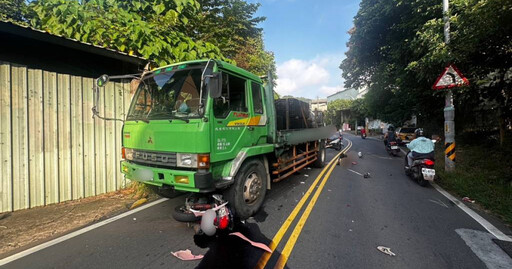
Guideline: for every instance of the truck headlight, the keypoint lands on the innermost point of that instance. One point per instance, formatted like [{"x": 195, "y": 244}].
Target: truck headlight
[
  {"x": 128, "y": 154},
  {"x": 186, "y": 160}
]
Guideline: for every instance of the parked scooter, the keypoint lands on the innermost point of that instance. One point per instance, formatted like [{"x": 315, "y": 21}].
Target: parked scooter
[
  {"x": 422, "y": 169},
  {"x": 392, "y": 148}
]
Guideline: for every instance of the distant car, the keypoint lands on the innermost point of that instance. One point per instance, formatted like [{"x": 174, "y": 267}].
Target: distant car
[{"x": 405, "y": 135}]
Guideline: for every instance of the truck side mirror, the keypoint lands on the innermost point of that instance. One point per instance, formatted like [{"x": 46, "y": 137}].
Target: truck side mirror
[
  {"x": 102, "y": 80},
  {"x": 215, "y": 85}
]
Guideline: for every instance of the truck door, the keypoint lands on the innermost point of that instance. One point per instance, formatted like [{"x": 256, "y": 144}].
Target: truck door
[
  {"x": 258, "y": 122},
  {"x": 230, "y": 118}
]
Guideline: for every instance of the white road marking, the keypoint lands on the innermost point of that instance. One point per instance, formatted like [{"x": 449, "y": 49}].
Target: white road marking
[
  {"x": 355, "y": 172},
  {"x": 487, "y": 251},
  {"x": 76, "y": 233},
  {"x": 439, "y": 202},
  {"x": 487, "y": 225}
]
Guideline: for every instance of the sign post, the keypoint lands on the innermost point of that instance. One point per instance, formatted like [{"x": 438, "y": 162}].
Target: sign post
[{"x": 450, "y": 78}]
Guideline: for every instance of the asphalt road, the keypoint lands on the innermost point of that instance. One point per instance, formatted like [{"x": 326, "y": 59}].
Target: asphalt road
[{"x": 350, "y": 218}]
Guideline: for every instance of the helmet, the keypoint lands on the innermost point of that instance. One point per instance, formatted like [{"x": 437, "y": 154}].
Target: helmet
[
  {"x": 391, "y": 127},
  {"x": 418, "y": 132}
]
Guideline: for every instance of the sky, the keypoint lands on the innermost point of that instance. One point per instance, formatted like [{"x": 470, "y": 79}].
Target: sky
[{"x": 308, "y": 38}]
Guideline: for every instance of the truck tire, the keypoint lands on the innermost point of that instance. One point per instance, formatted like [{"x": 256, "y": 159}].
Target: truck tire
[
  {"x": 246, "y": 194},
  {"x": 181, "y": 215},
  {"x": 320, "y": 160}
]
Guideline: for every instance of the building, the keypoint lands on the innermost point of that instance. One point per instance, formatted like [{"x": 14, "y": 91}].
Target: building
[
  {"x": 347, "y": 94},
  {"x": 51, "y": 148},
  {"x": 319, "y": 105}
]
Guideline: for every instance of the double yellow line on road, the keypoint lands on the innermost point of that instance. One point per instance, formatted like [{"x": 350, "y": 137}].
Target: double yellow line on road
[{"x": 298, "y": 228}]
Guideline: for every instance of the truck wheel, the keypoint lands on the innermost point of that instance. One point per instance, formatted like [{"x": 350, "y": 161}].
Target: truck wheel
[
  {"x": 182, "y": 215},
  {"x": 320, "y": 160},
  {"x": 247, "y": 193}
]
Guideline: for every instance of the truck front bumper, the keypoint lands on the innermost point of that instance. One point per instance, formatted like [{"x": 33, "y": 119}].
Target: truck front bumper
[{"x": 181, "y": 180}]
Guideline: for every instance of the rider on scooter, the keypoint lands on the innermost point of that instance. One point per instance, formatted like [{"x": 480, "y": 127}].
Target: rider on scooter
[
  {"x": 420, "y": 147},
  {"x": 390, "y": 136}
]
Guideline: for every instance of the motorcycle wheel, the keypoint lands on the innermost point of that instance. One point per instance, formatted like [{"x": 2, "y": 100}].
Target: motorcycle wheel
[{"x": 419, "y": 177}]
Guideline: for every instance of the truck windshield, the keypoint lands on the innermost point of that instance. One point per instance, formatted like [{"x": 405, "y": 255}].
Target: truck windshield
[{"x": 167, "y": 95}]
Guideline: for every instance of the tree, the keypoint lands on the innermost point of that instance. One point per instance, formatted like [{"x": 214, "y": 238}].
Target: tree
[
  {"x": 359, "y": 110},
  {"x": 232, "y": 26},
  {"x": 147, "y": 28},
  {"x": 255, "y": 59},
  {"x": 396, "y": 48},
  {"x": 331, "y": 115},
  {"x": 12, "y": 10}
]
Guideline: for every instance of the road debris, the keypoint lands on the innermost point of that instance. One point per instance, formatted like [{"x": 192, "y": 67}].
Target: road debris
[
  {"x": 3, "y": 227},
  {"x": 138, "y": 203},
  {"x": 366, "y": 175},
  {"x": 255, "y": 244},
  {"x": 466, "y": 199},
  {"x": 186, "y": 255},
  {"x": 306, "y": 175},
  {"x": 360, "y": 154},
  {"x": 134, "y": 218},
  {"x": 354, "y": 163},
  {"x": 302, "y": 182},
  {"x": 386, "y": 250}
]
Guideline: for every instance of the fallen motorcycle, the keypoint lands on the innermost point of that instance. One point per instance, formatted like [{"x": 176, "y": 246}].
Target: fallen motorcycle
[
  {"x": 335, "y": 142},
  {"x": 212, "y": 212}
]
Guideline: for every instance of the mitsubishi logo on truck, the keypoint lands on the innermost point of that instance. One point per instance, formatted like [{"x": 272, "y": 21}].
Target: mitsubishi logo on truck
[{"x": 150, "y": 141}]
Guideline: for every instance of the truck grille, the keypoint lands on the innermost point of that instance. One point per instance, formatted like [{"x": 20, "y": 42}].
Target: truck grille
[{"x": 155, "y": 158}]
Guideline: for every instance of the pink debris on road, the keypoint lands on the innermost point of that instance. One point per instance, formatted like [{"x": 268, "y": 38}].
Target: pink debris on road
[
  {"x": 186, "y": 255},
  {"x": 255, "y": 244}
]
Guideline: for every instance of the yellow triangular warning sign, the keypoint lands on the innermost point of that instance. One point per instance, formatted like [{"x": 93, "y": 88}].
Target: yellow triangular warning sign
[{"x": 450, "y": 78}]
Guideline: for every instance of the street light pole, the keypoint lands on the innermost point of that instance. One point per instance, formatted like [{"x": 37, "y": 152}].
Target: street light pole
[{"x": 449, "y": 109}]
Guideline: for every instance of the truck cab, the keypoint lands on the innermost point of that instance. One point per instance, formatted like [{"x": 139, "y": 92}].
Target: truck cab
[{"x": 191, "y": 125}]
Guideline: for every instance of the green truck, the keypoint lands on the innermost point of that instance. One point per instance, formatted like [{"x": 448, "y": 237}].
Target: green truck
[{"x": 207, "y": 126}]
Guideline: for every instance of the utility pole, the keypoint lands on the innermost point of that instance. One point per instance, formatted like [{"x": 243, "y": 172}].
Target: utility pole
[{"x": 449, "y": 109}]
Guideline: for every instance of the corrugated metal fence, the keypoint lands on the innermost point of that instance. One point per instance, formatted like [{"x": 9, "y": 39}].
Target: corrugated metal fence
[{"x": 51, "y": 149}]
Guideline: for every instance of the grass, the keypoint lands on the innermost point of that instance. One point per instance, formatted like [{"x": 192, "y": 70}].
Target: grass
[{"x": 483, "y": 173}]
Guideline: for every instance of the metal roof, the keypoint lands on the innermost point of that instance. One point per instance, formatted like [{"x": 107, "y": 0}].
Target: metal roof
[{"x": 29, "y": 32}]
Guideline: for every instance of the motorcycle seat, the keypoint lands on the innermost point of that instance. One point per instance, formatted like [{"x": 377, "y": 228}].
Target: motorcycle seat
[{"x": 420, "y": 156}]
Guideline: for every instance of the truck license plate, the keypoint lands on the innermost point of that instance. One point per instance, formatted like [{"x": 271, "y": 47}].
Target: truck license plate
[
  {"x": 143, "y": 175},
  {"x": 394, "y": 147},
  {"x": 428, "y": 174}
]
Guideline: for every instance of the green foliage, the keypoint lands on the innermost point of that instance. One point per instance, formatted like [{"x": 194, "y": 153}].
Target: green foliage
[
  {"x": 254, "y": 58},
  {"x": 397, "y": 49},
  {"x": 487, "y": 180},
  {"x": 12, "y": 10},
  {"x": 359, "y": 110},
  {"x": 232, "y": 26},
  {"x": 331, "y": 115},
  {"x": 145, "y": 28},
  {"x": 164, "y": 31}
]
